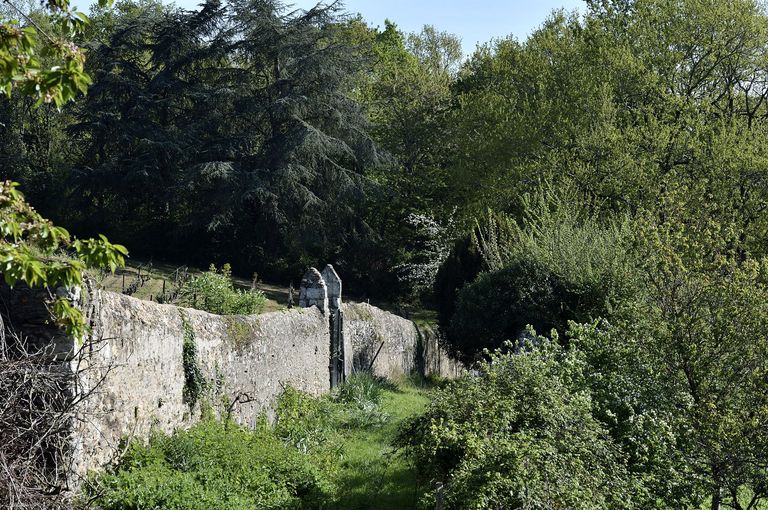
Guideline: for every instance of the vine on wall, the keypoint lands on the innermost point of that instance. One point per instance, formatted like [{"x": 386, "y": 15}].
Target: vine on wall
[{"x": 194, "y": 383}]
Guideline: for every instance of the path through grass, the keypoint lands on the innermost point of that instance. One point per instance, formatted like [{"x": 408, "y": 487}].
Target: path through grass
[{"x": 373, "y": 475}]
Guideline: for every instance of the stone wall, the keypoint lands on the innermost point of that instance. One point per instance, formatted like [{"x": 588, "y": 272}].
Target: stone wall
[
  {"x": 435, "y": 359},
  {"x": 244, "y": 362},
  {"x": 134, "y": 369},
  {"x": 391, "y": 346}
]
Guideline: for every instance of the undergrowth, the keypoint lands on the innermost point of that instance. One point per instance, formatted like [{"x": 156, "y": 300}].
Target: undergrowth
[{"x": 328, "y": 452}]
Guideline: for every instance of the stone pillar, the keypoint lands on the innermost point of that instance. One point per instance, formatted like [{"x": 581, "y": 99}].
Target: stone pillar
[
  {"x": 333, "y": 284},
  {"x": 313, "y": 291},
  {"x": 336, "y": 366}
]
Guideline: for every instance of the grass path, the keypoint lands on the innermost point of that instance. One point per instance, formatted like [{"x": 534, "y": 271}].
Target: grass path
[{"x": 373, "y": 475}]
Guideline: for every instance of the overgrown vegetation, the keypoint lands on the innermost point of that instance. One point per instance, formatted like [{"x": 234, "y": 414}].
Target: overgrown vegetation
[
  {"x": 309, "y": 458},
  {"x": 216, "y": 466},
  {"x": 520, "y": 434},
  {"x": 559, "y": 263},
  {"x": 603, "y": 179},
  {"x": 194, "y": 382},
  {"x": 214, "y": 291}
]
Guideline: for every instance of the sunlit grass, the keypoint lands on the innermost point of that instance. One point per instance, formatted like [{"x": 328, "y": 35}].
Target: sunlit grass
[{"x": 373, "y": 474}]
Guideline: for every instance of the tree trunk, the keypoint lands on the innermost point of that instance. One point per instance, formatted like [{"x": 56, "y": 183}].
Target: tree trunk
[{"x": 716, "y": 499}]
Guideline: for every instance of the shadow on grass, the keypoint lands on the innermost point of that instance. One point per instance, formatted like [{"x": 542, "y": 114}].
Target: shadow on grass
[{"x": 379, "y": 484}]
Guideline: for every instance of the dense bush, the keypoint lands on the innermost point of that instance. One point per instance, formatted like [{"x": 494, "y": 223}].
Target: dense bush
[
  {"x": 499, "y": 305},
  {"x": 520, "y": 434},
  {"x": 213, "y": 291},
  {"x": 464, "y": 263},
  {"x": 215, "y": 466},
  {"x": 292, "y": 464},
  {"x": 560, "y": 263}
]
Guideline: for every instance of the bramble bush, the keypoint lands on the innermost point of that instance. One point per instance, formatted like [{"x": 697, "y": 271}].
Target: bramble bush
[{"x": 519, "y": 434}]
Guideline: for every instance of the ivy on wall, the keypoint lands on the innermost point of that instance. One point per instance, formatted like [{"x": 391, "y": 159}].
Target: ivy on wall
[{"x": 194, "y": 383}]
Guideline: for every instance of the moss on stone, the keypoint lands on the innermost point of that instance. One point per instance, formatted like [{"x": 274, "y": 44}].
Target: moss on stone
[{"x": 240, "y": 331}]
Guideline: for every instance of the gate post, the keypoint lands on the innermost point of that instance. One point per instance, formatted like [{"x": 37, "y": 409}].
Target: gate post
[{"x": 336, "y": 364}]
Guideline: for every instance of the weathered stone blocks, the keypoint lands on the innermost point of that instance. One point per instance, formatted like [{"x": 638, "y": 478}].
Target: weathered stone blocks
[{"x": 313, "y": 291}]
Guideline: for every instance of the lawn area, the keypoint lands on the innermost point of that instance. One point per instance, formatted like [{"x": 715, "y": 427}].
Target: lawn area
[{"x": 373, "y": 475}]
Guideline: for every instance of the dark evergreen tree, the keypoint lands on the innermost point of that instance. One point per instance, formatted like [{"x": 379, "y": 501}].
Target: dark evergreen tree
[{"x": 231, "y": 128}]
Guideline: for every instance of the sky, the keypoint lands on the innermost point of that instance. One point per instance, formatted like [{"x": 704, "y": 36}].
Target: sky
[{"x": 474, "y": 21}]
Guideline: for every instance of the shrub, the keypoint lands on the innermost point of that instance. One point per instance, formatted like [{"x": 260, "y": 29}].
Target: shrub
[
  {"x": 520, "y": 434},
  {"x": 360, "y": 396},
  {"x": 561, "y": 232},
  {"x": 211, "y": 466},
  {"x": 304, "y": 422},
  {"x": 465, "y": 261},
  {"x": 361, "y": 387},
  {"x": 499, "y": 305},
  {"x": 213, "y": 291},
  {"x": 560, "y": 263}
]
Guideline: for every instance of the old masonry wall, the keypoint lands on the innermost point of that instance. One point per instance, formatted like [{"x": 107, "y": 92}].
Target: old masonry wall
[{"x": 149, "y": 367}]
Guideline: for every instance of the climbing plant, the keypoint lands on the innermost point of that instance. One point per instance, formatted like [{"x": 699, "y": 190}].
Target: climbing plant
[{"x": 194, "y": 383}]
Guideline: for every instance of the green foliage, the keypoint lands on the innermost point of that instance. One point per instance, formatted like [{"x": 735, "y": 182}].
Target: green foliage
[
  {"x": 304, "y": 422},
  {"x": 706, "y": 310},
  {"x": 215, "y": 466},
  {"x": 629, "y": 102},
  {"x": 307, "y": 423},
  {"x": 242, "y": 135},
  {"x": 361, "y": 396},
  {"x": 560, "y": 263},
  {"x": 466, "y": 261},
  {"x": 214, "y": 291},
  {"x": 361, "y": 387},
  {"x": 311, "y": 458},
  {"x": 520, "y": 434},
  {"x": 27, "y": 243},
  {"x": 194, "y": 382},
  {"x": 499, "y": 305},
  {"x": 22, "y": 68}
]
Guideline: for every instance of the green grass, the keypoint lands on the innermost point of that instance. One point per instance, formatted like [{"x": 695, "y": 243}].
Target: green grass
[
  {"x": 329, "y": 452},
  {"x": 373, "y": 475}
]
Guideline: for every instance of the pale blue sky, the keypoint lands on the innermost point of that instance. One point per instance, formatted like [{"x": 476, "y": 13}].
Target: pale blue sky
[{"x": 474, "y": 21}]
